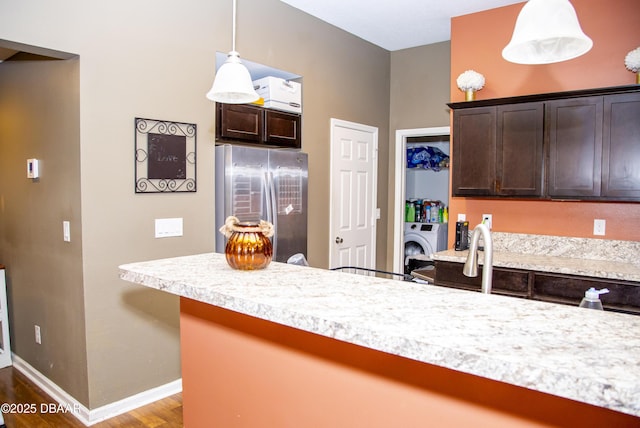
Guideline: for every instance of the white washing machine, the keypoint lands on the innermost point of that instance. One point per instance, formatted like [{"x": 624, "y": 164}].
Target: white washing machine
[{"x": 421, "y": 240}]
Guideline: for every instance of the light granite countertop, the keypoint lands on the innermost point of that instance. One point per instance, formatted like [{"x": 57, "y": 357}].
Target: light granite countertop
[
  {"x": 598, "y": 258},
  {"x": 553, "y": 264},
  {"x": 580, "y": 354}
]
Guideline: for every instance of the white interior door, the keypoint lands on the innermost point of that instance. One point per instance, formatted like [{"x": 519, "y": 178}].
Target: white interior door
[{"x": 354, "y": 167}]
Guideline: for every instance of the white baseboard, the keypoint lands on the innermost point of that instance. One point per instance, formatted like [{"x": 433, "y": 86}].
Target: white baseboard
[{"x": 90, "y": 417}]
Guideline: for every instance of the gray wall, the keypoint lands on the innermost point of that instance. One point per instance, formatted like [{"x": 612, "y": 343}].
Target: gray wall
[
  {"x": 39, "y": 116},
  {"x": 419, "y": 88},
  {"x": 153, "y": 59}
]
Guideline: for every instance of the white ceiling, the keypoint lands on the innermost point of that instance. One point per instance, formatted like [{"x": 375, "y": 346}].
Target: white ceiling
[
  {"x": 395, "y": 24},
  {"x": 390, "y": 24}
]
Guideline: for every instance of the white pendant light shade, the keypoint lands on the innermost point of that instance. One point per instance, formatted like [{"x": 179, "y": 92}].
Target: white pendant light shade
[
  {"x": 233, "y": 84},
  {"x": 546, "y": 31}
]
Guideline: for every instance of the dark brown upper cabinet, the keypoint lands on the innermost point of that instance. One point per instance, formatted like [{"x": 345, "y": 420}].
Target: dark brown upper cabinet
[
  {"x": 282, "y": 129},
  {"x": 575, "y": 147},
  {"x": 474, "y": 152},
  {"x": 246, "y": 123},
  {"x": 580, "y": 145},
  {"x": 594, "y": 150},
  {"x": 498, "y": 151},
  {"x": 621, "y": 147},
  {"x": 240, "y": 122},
  {"x": 519, "y": 155}
]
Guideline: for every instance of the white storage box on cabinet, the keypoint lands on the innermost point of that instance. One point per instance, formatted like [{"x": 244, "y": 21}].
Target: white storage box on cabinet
[{"x": 280, "y": 94}]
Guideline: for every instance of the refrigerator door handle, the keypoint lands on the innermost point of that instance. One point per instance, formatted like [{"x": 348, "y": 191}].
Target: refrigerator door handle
[{"x": 272, "y": 209}]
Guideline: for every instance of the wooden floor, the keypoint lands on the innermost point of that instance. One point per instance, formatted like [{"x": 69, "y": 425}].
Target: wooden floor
[{"x": 19, "y": 391}]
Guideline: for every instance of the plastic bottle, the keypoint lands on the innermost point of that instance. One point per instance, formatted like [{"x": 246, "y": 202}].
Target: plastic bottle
[
  {"x": 425, "y": 216},
  {"x": 434, "y": 213},
  {"x": 445, "y": 215},
  {"x": 591, "y": 299},
  {"x": 410, "y": 212}
]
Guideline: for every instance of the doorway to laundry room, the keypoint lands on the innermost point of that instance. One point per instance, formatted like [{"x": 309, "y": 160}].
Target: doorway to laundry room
[{"x": 422, "y": 196}]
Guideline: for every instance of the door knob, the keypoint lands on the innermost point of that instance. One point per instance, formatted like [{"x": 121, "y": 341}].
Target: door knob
[{"x": 339, "y": 240}]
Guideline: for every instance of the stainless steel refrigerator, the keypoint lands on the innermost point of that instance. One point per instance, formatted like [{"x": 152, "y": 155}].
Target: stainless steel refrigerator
[{"x": 264, "y": 184}]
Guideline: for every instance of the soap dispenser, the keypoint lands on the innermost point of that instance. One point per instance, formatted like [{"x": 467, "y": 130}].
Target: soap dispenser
[{"x": 591, "y": 298}]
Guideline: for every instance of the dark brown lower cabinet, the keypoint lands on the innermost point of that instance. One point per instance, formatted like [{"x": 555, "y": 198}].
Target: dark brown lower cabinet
[
  {"x": 510, "y": 282},
  {"x": 623, "y": 296}
]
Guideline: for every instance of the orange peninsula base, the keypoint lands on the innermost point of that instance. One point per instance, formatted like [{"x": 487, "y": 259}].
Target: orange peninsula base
[{"x": 240, "y": 371}]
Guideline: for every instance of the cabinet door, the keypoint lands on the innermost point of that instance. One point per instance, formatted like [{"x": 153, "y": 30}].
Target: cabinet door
[
  {"x": 623, "y": 296},
  {"x": 239, "y": 122},
  {"x": 474, "y": 152},
  {"x": 575, "y": 147},
  {"x": 282, "y": 129},
  {"x": 621, "y": 146},
  {"x": 511, "y": 282},
  {"x": 520, "y": 149}
]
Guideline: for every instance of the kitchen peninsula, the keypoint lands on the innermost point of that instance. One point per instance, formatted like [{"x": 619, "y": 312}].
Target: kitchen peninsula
[{"x": 291, "y": 345}]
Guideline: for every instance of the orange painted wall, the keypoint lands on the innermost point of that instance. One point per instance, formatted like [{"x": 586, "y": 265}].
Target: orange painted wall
[
  {"x": 239, "y": 371},
  {"x": 477, "y": 41}
]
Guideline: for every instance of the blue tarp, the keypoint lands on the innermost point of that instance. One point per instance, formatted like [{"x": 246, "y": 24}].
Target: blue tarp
[{"x": 427, "y": 158}]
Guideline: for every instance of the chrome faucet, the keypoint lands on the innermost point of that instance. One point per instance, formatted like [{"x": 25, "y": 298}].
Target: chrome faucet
[{"x": 471, "y": 265}]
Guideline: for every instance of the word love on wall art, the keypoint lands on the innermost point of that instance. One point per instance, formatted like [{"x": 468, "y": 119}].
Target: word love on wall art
[{"x": 165, "y": 156}]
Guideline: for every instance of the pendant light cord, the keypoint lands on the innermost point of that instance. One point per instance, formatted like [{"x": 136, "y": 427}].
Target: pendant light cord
[{"x": 233, "y": 36}]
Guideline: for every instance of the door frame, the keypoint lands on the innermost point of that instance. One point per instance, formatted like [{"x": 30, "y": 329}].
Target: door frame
[
  {"x": 400, "y": 187},
  {"x": 372, "y": 210}
]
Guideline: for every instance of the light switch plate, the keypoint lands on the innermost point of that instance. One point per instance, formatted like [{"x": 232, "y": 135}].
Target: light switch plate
[
  {"x": 599, "y": 226},
  {"x": 168, "y": 227},
  {"x": 33, "y": 168},
  {"x": 66, "y": 231}
]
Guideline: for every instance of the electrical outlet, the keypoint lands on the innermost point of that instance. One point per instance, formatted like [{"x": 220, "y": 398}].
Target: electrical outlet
[
  {"x": 599, "y": 226},
  {"x": 487, "y": 219},
  {"x": 38, "y": 335},
  {"x": 462, "y": 217}
]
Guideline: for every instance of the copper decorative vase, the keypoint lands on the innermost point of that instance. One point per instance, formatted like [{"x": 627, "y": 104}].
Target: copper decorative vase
[{"x": 249, "y": 246}]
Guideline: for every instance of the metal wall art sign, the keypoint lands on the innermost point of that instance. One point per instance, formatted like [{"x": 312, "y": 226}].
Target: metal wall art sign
[{"x": 165, "y": 156}]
